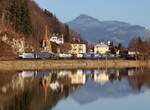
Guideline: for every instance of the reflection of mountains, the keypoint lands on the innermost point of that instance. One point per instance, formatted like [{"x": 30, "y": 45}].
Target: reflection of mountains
[
  {"x": 118, "y": 86},
  {"x": 42, "y": 90},
  {"x": 93, "y": 91}
]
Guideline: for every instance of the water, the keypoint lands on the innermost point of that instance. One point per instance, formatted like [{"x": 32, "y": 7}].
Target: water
[{"x": 106, "y": 89}]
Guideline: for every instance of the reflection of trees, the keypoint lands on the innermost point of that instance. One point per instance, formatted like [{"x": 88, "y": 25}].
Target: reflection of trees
[
  {"x": 52, "y": 97},
  {"x": 136, "y": 80},
  {"x": 32, "y": 99},
  {"x": 18, "y": 92},
  {"x": 140, "y": 79},
  {"x": 37, "y": 94},
  {"x": 4, "y": 79},
  {"x": 40, "y": 96},
  {"x": 20, "y": 102}
]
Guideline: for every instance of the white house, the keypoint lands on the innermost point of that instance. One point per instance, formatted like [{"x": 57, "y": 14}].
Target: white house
[
  {"x": 132, "y": 52},
  {"x": 101, "y": 48},
  {"x": 57, "y": 38},
  {"x": 78, "y": 48}
]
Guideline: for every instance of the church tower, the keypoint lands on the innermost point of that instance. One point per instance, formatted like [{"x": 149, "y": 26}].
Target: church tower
[{"x": 46, "y": 44}]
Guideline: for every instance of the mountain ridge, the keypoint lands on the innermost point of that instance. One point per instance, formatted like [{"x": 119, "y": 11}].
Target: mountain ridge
[{"x": 94, "y": 30}]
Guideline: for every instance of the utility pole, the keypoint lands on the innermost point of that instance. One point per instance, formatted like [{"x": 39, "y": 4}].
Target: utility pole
[{"x": 106, "y": 60}]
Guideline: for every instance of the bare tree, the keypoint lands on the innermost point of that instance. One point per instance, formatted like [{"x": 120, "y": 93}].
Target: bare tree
[
  {"x": 65, "y": 48},
  {"x": 140, "y": 47}
]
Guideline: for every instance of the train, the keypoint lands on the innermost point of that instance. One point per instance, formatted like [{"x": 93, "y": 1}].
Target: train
[
  {"x": 47, "y": 55},
  {"x": 37, "y": 55}
]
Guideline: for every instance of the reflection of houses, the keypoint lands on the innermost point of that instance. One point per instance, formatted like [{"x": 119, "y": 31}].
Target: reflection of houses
[
  {"x": 78, "y": 78},
  {"x": 131, "y": 72},
  {"x": 80, "y": 71},
  {"x": 55, "y": 85},
  {"x": 71, "y": 77},
  {"x": 64, "y": 73},
  {"x": 101, "y": 77},
  {"x": 101, "y": 48},
  {"x": 57, "y": 38},
  {"x": 78, "y": 48}
]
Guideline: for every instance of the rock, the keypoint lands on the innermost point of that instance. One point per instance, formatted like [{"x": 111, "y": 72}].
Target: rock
[{"x": 4, "y": 89}]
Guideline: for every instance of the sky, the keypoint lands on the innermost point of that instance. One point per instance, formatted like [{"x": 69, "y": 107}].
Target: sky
[{"x": 135, "y": 12}]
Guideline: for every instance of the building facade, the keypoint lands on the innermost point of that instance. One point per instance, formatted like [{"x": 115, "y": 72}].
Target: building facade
[
  {"x": 101, "y": 48},
  {"x": 78, "y": 48},
  {"x": 57, "y": 38}
]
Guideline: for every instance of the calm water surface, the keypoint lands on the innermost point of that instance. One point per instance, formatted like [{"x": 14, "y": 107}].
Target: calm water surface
[{"x": 106, "y": 89}]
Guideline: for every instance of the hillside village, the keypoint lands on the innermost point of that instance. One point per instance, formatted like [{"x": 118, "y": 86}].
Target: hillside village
[
  {"x": 27, "y": 31},
  {"x": 22, "y": 28},
  {"x": 74, "y": 49}
]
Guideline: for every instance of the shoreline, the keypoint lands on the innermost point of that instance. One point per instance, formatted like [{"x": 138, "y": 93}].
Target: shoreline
[{"x": 70, "y": 64}]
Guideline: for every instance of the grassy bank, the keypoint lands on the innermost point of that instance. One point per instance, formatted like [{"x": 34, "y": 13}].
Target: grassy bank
[{"x": 69, "y": 64}]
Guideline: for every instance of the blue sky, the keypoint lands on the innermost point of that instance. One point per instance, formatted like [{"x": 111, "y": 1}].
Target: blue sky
[{"x": 131, "y": 11}]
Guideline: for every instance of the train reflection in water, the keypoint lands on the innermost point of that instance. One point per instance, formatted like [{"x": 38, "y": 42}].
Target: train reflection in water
[
  {"x": 38, "y": 90},
  {"x": 61, "y": 78}
]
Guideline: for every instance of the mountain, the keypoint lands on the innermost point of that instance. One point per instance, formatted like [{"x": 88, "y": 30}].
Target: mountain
[{"x": 94, "y": 30}]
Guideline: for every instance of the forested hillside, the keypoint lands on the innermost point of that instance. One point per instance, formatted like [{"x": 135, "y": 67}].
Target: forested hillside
[{"x": 23, "y": 22}]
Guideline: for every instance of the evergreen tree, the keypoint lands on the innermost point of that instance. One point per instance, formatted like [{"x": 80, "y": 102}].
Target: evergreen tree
[
  {"x": 120, "y": 46},
  {"x": 67, "y": 34},
  {"x": 25, "y": 24},
  {"x": 19, "y": 16}
]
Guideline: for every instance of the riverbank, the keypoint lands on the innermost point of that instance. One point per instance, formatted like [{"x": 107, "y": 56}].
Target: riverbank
[{"x": 70, "y": 64}]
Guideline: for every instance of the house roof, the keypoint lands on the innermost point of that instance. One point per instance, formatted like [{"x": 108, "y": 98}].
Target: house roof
[{"x": 101, "y": 45}]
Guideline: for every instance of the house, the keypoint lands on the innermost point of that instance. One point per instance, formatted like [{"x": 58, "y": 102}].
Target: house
[
  {"x": 77, "y": 48},
  {"x": 132, "y": 53},
  {"x": 101, "y": 48},
  {"x": 57, "y": 38}
]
